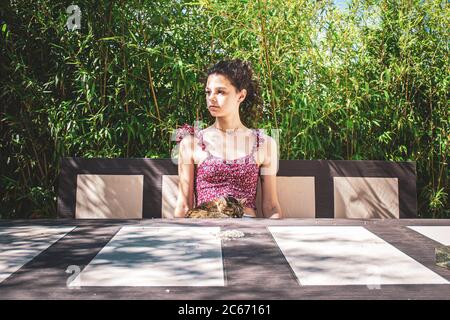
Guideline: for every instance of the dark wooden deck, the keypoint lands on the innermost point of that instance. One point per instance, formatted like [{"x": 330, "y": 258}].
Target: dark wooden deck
[{"x": 254, "y": 266}]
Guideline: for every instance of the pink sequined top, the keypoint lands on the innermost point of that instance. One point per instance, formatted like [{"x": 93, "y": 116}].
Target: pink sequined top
[{"x": 217, "y": 177}]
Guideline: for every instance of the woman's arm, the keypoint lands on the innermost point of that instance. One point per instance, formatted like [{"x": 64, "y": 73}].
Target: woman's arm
[
  {"x": 270, "y": 205},
  {"x": 185, "y": 197},
  {"x": 269, "y": 168}
]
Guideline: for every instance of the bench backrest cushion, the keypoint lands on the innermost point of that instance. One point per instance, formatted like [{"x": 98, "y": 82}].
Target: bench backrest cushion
[{"x": 147, "y": 188}]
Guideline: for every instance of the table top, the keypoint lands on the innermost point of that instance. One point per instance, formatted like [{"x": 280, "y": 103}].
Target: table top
[{"x": 255, "y": 266}]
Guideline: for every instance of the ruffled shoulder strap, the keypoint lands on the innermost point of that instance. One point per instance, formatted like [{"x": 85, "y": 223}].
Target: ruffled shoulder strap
[
  {"x": 259, "y": 139},
  {"x": 185, "y": 130}
]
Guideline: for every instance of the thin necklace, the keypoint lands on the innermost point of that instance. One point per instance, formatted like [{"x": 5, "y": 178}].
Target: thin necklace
[{"x": 226, "y": 131}]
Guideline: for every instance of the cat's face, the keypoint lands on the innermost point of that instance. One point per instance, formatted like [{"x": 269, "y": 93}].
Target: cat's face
[
  {"x": 222, "y": 202},
  {"x": 230, "y": 206}
]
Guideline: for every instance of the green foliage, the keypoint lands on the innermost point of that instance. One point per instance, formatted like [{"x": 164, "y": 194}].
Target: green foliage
[{"x": 367, "y": 82}]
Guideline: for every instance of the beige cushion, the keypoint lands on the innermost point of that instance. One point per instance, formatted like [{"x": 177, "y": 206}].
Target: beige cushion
[
  {"x": 109, "y": 196},
  {"x": 169, "y": 195},
  {"x": 366, "y": 197},
  {"x": 296, "y": 197}
]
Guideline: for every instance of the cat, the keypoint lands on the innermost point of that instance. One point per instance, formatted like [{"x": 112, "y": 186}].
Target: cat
[{"x": 223, "y": 207}]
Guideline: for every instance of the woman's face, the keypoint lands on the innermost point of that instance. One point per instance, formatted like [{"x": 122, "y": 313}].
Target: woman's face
[{"x": 221, "y": 96}]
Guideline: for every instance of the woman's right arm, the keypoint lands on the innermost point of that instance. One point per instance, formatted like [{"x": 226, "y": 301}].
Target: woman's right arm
[{"x": 185, "y": 197}]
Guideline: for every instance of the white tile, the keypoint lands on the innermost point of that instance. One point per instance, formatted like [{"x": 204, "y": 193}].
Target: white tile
[
  {"x": 19, "y": 245},
  {"x": 157, "y": 256},
  {"x": 341, "y": 255},
  {"x": 439, "y": 234}
]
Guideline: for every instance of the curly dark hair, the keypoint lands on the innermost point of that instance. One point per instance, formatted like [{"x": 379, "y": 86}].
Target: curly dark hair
[{"x": 240, "y": 74}]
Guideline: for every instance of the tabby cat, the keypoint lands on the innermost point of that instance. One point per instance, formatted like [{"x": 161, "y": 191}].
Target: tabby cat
[{"x": 223, "y": 207}]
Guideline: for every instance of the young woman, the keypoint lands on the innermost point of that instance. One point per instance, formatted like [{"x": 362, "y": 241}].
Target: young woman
[{"x": 227, "y": 157}]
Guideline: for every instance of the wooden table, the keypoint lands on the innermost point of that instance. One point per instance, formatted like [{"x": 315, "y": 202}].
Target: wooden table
[{"x": 254, "y": 266}]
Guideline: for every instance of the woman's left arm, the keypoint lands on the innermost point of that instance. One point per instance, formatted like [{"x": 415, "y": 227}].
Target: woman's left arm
[{"x": 269, "y": 168}]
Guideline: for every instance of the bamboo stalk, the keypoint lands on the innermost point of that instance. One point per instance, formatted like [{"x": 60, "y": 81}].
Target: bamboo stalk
[
  {"x": 105, "y": 80},
  {"x": 105, "y": 69},
  {"x": 152, "y": 89},
  {"x": 150, "y": 78},
  {"x": 125, "y": 66},
  {"x": 430, "y": 104},
  {"x": 272, "y": 95}
]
